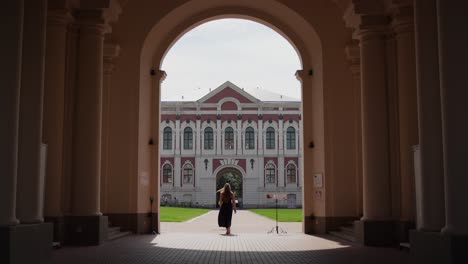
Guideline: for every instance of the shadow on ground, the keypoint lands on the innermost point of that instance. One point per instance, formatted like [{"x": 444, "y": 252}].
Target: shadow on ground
[{"x": 143, "y": 249}]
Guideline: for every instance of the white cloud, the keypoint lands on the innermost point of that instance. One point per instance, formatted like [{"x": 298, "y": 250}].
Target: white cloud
[{"x": 246, "y": 53}]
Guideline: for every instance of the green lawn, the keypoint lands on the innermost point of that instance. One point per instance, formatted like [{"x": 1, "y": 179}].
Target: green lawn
[
  {"x": 179, "y": 214},
  {"x": 284, "y": 215}
]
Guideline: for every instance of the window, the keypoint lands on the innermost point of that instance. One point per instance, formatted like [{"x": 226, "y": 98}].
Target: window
[
  {"x": 167, "y": 138},
  {"x": 188, "y": 138},
  {"x": 291, "y": 173},
  {"x": 249, "y": 138},
  {"x": 167, "y": 174},
  {"x": 188, "y": 173},
  {"x": 208, "y": 138},
  {"x": 270, "y": 138},
  {"x": 270, "y": 174},
  {"x": 229, "y": 138},
  {"x": 291, "y": 138}
]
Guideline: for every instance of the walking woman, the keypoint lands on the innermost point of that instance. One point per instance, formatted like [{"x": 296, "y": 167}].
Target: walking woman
[{"x": 227, "y": 203}]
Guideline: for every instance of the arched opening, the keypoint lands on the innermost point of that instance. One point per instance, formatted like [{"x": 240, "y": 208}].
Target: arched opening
[
  {"x": 159, "y": 41},
  {"x": 234, "y": 178}
]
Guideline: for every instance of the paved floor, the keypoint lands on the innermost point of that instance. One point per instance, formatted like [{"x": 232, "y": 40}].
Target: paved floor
[{"x": 201, "y": 241}]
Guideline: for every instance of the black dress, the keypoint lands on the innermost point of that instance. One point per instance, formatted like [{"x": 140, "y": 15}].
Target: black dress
[{"x": 225, "y": 214}]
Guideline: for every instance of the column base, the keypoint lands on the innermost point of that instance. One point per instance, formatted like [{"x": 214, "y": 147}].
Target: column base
[
  {"x": 324, "y": 224},
  {"x": 85, "y": 230},
  {"x": 375, "y": 233},
  {"x": 435, "y": 247},
  {"x": 58, "y": 227},
  {"x": 29, "y": 243},
  {"x": 138, "y": 223},
  {"x": 402, "y": 229}
]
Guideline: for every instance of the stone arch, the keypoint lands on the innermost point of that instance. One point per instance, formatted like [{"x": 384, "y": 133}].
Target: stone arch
[{"x": 285, "y": 21}]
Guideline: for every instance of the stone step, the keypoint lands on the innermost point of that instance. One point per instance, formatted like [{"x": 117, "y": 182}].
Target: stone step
[
  {"x": 118, "y": 235},
  {"x": 343, "y": 236},
  {"x": 347, "y": 230}
]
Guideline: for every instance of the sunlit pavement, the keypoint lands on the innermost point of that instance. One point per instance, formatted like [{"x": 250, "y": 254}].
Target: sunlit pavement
[{"x": 201, "y": 241}]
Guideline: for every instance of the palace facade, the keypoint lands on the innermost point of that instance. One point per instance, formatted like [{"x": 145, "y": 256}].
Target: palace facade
[{"x": 231, "y": 131}]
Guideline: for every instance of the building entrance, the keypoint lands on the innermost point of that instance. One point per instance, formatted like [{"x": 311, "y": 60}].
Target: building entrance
[{"x": 234, "y": 178}]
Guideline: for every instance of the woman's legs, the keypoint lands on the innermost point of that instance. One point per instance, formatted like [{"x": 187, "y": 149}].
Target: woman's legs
[{"x": 228, "y": 230}]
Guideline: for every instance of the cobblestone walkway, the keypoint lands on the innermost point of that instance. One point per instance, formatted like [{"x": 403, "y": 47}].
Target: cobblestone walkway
[{"x": 201, "y": 241}]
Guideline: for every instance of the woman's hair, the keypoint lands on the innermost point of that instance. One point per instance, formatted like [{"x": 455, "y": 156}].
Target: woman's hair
[{"x": 226, "y": 192}]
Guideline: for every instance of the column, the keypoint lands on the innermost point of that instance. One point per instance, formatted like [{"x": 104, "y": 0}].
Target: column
[
  {"x": 10, "y": 79},
  {"x": 53, "y": 125},
  {"x": 197, "y": 132},
  {"x": 281, "y": 182},
  {"x": 353, "y": 55},
  {"x": 260, "y": 135},
  {"x": 375, "y": 227},
  {"x": 218, "y": 134},
  {"x": 309, "y": 202},
  {"x": 432, "y": 209},
  {"x": 239, "y": 134},
  {"x": 30, "y": 185},
  {"x": 403, "y": 25},
  {"x": 111, "y": 51},
  {"x": 87, "y": 125},
  {"x": 159, "y": 77},
  {"x": 280, "y": 135},
  {"x": 453, "y": 55},
  {"x": 177, "y": 137}
]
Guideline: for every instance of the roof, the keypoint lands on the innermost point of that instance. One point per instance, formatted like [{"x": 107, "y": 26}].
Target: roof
[{"x": 249, "y": 94}]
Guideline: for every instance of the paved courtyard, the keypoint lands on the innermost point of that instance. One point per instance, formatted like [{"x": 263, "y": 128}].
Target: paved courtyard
[{"x": 200, "y": 240}]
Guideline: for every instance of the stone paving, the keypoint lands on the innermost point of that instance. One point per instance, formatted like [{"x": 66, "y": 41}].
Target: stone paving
[{"x": 201, "y": 241}]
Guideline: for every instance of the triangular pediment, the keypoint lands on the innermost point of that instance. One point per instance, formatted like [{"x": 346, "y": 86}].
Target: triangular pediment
[{"x": 225, "y": 90}]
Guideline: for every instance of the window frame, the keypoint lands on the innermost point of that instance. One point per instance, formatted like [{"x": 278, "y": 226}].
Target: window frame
[
  {"x": 186, "y": 168},
  {"x": 249, "y": 138},
  {"x": 188, "y": 138},
  {"x": 228, "y": 146},
  {"x": 290, "y": 176},
  {"x": 208, "y": 141},
  {"x": 167, "y": 178},
  {"x": 270, "y": 138},
  {"x": 290, "y": 138},
  {"x": 268, "y": 176},
  {"x": 167, "y": 138}
]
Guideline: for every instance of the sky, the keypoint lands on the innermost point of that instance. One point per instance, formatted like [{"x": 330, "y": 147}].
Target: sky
[{"x": 246, "y": 53}]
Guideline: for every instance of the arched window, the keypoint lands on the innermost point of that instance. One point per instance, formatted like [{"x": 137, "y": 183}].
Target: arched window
[
  {"x": 167, "y": 173},
  {"x": 249, "y": 138},
  {"x": 167, "y": 138},
  {"x": 270, "y": 138},
  {"x": 291, "y": 138},
  {"x": 270, "y": 174},
  {"x": 188, "y": 138},
  {"x": 188, "y": 173},
  {"x": 208, "y": 138},
  {"x": 291, "y": 173},
  {"x": 229, "y": 138}
]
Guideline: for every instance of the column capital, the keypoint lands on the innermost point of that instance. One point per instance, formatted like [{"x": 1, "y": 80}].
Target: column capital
[
  {"x": 59, "y": 17},
  {"x": 403, "y": 19}
]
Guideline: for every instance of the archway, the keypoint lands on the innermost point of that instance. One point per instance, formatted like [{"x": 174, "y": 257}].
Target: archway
[
  {"x": 234, "y": 177},
  {"x": 276, "y": 16}
]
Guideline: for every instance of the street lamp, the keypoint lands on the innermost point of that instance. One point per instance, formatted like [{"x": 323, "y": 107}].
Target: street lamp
[
  {"x": 206, "y": 164},
  {"x": 252, "y": 161}
]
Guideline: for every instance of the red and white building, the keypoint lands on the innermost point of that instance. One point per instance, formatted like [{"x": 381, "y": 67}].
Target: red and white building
[{"x": 257, "y": 138}]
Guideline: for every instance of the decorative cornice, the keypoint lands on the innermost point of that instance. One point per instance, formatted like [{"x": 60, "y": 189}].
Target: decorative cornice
[{"x": 365, "y": 16}]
